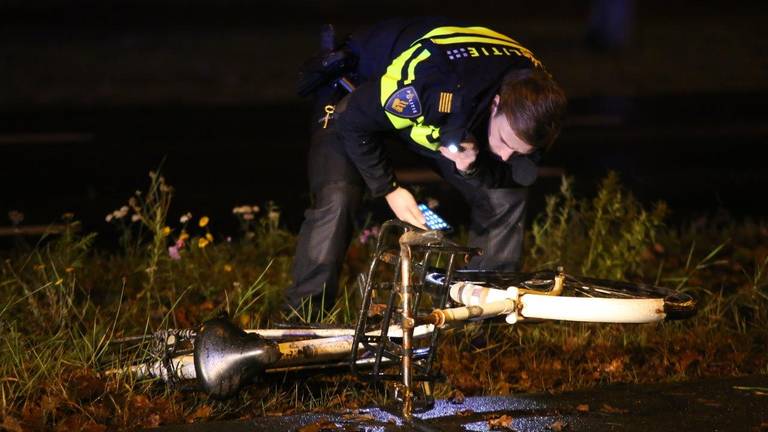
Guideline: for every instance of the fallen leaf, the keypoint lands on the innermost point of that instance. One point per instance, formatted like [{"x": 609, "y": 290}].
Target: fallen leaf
[
  {"x": 32, "y": 416},
  {"x": 558, "y": 426},
  {"x": 582, "y": 408},
  {"x": 456, "y": 397},
  {"x": 140, "y": 401},
  {"x": 85, "y": 386},
  {"x": 612, "y": 410},
  {"x": 320, "y": 426},
  {"x": 503, "y": 422},
  {"x": 92, "y": 426},
  {"x": 204, "y": 411},
  {"x": 73, "y": 422},
  {"x": 151, "y": 421},
  {"x": 11, "y": 424},
  {"x": 358, "y": 417},
  {"x": 465, "y": 413}
]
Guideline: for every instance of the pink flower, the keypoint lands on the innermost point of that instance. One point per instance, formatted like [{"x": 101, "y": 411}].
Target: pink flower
[{"x": 173, "y": 252}]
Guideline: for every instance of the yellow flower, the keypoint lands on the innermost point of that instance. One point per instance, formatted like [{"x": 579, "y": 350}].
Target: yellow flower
[
  {"x": 209, "y": 236},
  {"x": 203, "y": 221},
  {"x": 227, "y": 268},
  {"x": 184, "y": 236},
  {"x": 166, "y": 231},
  {"x": 202, "y": 242}
]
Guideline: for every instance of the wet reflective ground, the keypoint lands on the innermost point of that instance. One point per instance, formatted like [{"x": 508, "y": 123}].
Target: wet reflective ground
[{"x": 732, "y": 404}]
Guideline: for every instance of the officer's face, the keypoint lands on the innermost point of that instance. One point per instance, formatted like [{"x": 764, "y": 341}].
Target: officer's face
[{"x": 502, "y": 139}]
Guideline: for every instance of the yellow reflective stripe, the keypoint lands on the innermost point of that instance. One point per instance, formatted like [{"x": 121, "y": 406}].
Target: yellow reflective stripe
[
  {"x": 412, "y": 67},
  {"x": 421, "y": 132},
  {"x": 389, "y": 85},
  {"x": 442, "y": 31},
  {"x": 460, "y": 39}
]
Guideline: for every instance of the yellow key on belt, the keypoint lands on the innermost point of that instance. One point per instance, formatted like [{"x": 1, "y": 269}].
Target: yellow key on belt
[{"x": 329, "y": 109}]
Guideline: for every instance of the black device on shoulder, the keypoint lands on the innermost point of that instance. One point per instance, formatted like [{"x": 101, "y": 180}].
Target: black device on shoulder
[{"x": 433, "y": 221}]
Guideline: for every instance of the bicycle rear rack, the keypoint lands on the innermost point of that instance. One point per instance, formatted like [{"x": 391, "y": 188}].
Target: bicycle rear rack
[{"x": 404, "y": 264}]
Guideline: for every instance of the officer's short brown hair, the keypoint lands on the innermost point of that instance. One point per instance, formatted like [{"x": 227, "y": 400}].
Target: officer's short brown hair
[{"x": 534, "y": 104}]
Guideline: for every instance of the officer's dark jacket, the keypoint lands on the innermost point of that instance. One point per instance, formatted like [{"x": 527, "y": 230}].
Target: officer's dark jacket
[{"x": 432, "y": 81}]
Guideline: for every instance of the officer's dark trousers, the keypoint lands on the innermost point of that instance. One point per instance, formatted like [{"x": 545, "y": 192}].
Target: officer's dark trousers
[{"x": 496, "y": 220}]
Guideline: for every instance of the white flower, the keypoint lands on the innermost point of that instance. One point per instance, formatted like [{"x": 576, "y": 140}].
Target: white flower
[
  {"x": 109, "y": 217},
  {"x": 185, "y": 217},
  {"x": 120, "y": 213},
  {"x": 135, "y": 217},
  {"x": 255, "y": 209},
  {"x": 242, "y": 210}
]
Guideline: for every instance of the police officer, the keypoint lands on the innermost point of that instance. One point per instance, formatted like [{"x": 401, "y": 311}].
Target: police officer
[{"x": 475, "y": 102}]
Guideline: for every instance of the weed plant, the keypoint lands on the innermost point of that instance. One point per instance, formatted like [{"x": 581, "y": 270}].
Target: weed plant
[{"x": 63, "y": 303}]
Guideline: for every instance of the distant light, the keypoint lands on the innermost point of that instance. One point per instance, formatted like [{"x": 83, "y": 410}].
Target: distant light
[{"x": 453, "y": 148}]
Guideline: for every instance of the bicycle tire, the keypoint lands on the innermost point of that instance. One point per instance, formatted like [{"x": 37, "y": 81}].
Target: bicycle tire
[{"x": 583, "y": 299}]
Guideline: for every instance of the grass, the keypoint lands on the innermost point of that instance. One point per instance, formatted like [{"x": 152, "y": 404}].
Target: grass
[{"x": 62, "y": 302}]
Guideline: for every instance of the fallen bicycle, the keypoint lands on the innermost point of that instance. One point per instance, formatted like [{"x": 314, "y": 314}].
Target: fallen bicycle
[{"x": 413, "y": 289}]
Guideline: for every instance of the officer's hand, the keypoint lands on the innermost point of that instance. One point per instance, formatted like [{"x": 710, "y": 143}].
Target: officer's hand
[
  {"x": 464, "y": 158},
  {"x": 405, "y": 208}
]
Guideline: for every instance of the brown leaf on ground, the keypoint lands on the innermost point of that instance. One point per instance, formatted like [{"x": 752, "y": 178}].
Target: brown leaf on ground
[
  {"x": 32, "y": 416},
  {"x": 501, "y": 423},
  {"x": 376, "y": 309},
  {"x": 687, "y": 359},
  {"x": 73, "y": 422},
  {"x": 558, "y": 426},
  {"x": 456, "y": 397},
  {"x": 465, "y": 413},
  {"x": 92, "y": 426},
  {"x": 151, "y": 421},
  {"x": 11, "y": 424},
  {"x": 50, "y": 402},
  {"x": 615, "y": 366},
  {"x": 320, "y": 426},
  {"x": 582, "y": 408},
  {"x": 612, "y": 410},
  {"x": 358, "y": 417},
  {"x": 140, "y": 402},
  {"x": 85, "y": 386},
  {"x": 202, "y": 412}
]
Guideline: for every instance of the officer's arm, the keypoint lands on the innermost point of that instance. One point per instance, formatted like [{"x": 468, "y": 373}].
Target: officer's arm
[{"x": 358, "y": 124}]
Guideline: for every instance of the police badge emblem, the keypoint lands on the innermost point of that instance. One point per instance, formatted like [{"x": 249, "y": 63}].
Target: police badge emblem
[{"x": 404, "y": 103}]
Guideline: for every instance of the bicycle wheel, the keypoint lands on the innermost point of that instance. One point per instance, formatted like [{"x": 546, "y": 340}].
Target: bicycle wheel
[{"x": 582, "y": 298}]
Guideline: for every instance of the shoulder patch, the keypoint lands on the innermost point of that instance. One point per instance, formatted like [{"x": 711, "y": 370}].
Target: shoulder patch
[{"x": 404, "y": 103}]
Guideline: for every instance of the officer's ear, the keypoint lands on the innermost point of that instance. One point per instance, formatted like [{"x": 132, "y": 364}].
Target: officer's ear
[{"x": 495, "y": 105}]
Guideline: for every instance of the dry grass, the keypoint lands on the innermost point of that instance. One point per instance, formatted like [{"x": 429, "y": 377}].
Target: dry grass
[{"x": 62, "y": 303}]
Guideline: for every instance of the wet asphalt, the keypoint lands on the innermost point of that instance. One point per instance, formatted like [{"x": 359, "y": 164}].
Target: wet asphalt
[{"x": 726, "y": 404}]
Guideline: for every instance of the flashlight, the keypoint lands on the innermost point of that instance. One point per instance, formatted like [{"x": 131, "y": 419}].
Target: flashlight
[{"x": 453, "y": 148}]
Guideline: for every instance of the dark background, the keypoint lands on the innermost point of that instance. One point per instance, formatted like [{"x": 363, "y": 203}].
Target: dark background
[{"x": 94, "y": 94}]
